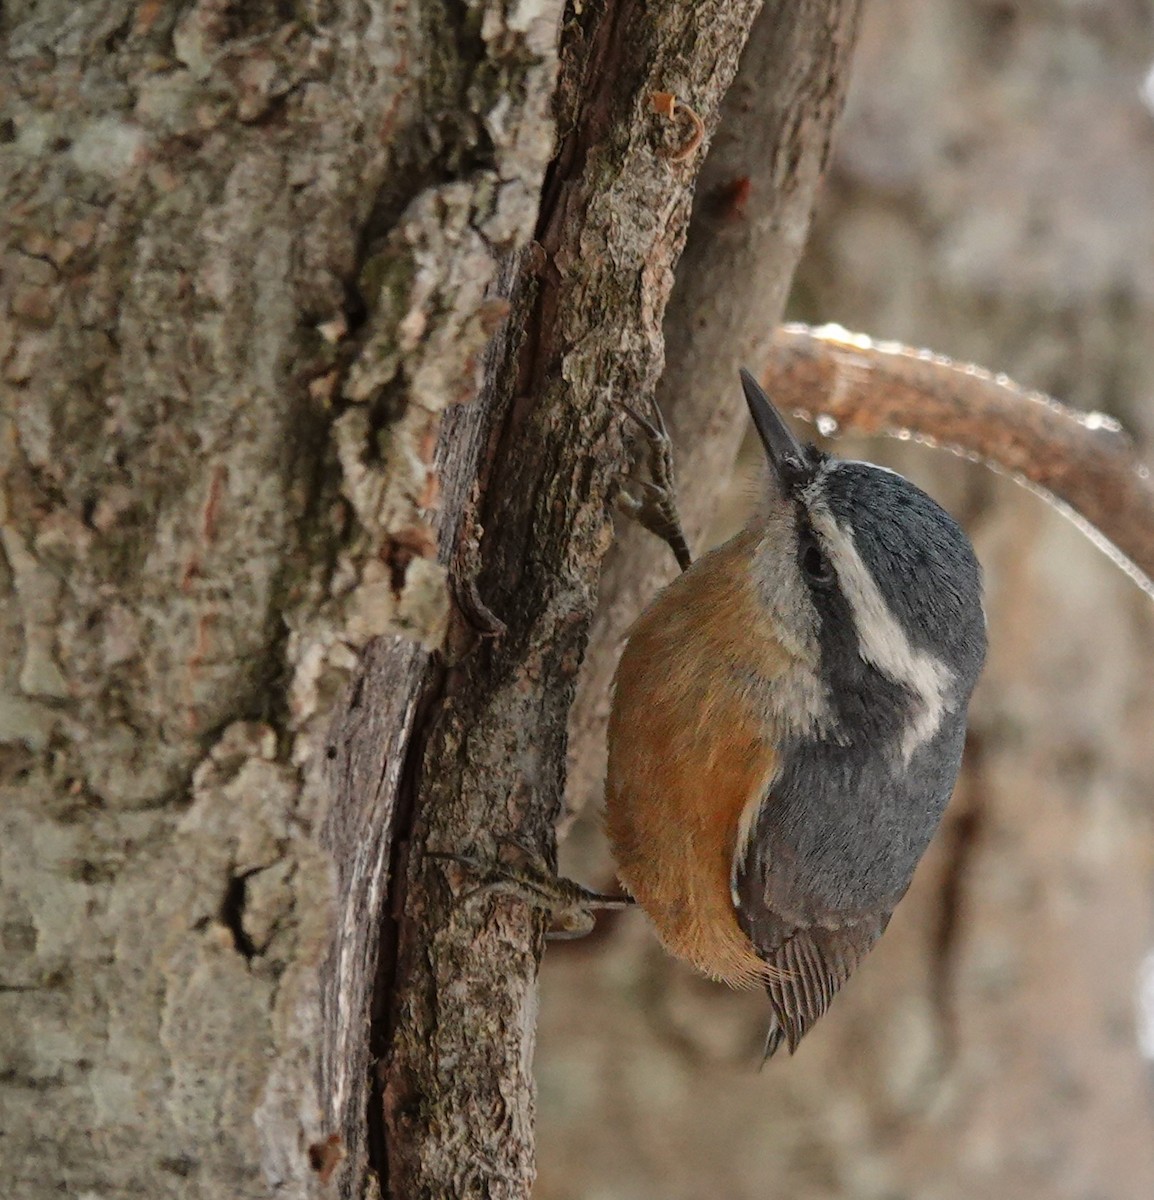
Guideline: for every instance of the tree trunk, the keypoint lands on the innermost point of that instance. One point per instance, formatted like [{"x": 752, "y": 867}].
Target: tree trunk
[{"x": 272, "y": 627}]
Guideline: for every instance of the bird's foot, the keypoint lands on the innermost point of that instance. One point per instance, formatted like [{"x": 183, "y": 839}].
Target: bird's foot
[
  {"x": 529, "y": 879},
  {"x": 656, "y": 508}
]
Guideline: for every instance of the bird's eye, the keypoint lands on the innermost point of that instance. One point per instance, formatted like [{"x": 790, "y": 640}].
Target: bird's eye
[{"x": 815, "y": 565}]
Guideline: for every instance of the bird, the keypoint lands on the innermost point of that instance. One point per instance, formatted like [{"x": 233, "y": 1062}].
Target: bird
[{"x": 787, "y": 724}]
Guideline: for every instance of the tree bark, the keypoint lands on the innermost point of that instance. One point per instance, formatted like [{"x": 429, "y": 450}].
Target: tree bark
[{"x": 252, "y": 255}]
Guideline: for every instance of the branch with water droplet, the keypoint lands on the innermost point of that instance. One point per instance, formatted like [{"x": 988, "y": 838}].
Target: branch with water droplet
[{"x": 1083, "y": 463}]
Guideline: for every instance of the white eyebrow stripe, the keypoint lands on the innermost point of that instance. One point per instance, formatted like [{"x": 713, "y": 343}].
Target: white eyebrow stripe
[
  {"x": 881, "y": 640},
  {"x": 861, "y": 462}
]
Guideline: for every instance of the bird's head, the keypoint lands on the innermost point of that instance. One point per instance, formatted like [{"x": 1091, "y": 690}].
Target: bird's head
[{"x": 870, "y": 580}]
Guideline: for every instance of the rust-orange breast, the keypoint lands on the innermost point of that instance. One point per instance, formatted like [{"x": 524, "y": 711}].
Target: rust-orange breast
[{"x": 687, "y": 753}]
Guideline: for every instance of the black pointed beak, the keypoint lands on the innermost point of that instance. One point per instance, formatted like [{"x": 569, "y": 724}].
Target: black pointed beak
[{"x": 787, "y": 456}]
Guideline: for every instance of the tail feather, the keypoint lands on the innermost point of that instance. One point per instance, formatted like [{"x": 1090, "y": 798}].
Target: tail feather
[
  {"x": 808, "y": 969},
  {"x": 774, "y": 1037}
]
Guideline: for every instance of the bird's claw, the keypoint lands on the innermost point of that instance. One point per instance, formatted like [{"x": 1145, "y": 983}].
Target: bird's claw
[
  {"x": 569, "y": 905},
  {"x": 656, "y": 510}
]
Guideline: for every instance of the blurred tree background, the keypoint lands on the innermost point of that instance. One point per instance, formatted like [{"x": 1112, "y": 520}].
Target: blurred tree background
[{"x": 990, "y": 197}]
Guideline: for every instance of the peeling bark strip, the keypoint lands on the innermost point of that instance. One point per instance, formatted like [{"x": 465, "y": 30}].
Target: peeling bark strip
[{"x": 1083, "y": 462}]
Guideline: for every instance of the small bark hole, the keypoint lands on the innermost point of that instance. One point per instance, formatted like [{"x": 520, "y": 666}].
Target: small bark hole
[{"x": 232, "y": 915}]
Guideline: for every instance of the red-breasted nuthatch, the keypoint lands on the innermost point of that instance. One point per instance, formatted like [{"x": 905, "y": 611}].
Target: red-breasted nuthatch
[{"x": 788, "y": 722}]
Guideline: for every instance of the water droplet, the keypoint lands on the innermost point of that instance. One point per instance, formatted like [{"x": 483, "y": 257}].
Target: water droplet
[
  {"x": 1098, "y": 420},
  {"x": 827, "y": 425}
]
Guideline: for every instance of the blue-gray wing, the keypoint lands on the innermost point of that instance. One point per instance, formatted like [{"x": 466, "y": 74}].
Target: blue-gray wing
[
  {"x": 803, "y": 924},
  {"x": 830, "y": 852},
  {"x": 810, "y": 950}
]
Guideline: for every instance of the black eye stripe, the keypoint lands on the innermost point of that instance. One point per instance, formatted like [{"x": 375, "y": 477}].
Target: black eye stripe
[
  {"x": 815, "y": 564},
  {"x": 812, "y": 560}
]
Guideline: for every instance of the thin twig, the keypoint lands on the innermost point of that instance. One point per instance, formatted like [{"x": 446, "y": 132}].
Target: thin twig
[{"x": 1082, "y": 462}]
